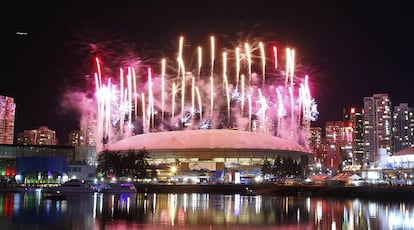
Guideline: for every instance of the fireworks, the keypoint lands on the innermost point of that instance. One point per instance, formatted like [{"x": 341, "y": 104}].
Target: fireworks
[{"x": 131, "y": 103}]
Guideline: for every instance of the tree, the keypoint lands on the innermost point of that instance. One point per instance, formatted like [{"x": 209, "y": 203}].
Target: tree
[
  {"x": 286, "y": 166},
  {"x": 289, "y": 166},
  {"x": 141, "y": 164},
  {"x": 109, "y": 163},
  {"x": 267, "y": 167},
  {"x": 129, "y": 164},
  {"x": 277, "y": 167}
]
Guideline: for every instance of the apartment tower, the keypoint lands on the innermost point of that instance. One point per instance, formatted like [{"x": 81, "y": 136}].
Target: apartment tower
[
  {"x": 7, "y": 114},
  {"x": 377, "y": 128}
]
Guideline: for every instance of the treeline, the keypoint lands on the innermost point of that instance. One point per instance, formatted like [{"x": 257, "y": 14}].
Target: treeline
[
  {"x": 125, "y": 164},
  {"x": 282, "y": 167},
  {"x": 134, "y": 165}
]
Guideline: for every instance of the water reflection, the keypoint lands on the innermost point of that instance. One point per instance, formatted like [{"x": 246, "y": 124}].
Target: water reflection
[{"x": 212, "y": 211}]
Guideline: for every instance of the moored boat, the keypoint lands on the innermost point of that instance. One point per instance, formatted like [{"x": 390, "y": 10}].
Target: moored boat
[{"x": 71, "y": 186}]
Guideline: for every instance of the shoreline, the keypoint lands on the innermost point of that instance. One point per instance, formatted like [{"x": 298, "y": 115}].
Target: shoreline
[
  {"x": 372, "y": 192},
  {"x": 363, "y": 192}
]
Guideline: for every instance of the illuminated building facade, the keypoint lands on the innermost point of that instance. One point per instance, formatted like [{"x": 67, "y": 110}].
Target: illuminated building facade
[
  {"x": 357, "y": 119},
  {"x": 339, "y": 138},
  {"x": 83, "y": 137},
  {"x": 403, "y": 127},
  {"x": 315, "y": 136},
  {"x": 76, "y": 138},
  {"x": 41, "y": 136},
  {"x": 79, "y": 157},
  {"x": 87, "y": 130},
  {"x": 7, "y": 114},
  {"x": 316, "y": 146},
  {"x": 222, "y": 151},
  {"x": 377, "y": 128}
]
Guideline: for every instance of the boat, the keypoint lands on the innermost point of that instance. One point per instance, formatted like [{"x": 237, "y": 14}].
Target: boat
[
  {"x": 71, "y": 186},
  {"x": 116, "y": 188}
]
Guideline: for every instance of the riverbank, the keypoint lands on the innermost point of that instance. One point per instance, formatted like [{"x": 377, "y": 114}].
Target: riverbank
[
  {"x": 366, "y": 192},
  {"x": 363, "y": 192}
]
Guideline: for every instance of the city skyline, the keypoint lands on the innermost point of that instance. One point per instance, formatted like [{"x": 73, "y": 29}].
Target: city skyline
[{"x": 350, "y": 51}]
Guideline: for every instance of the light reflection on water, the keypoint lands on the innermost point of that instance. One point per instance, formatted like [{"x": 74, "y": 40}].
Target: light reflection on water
[{"x": 199, "y": 211}]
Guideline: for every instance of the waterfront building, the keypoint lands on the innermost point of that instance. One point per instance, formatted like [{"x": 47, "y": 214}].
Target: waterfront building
[
  {"x": 7, "y": 115},
  {"x": 40, "y": 170},
  {"x": 84, "y": 155},
  {"x": 221, "y": 152},
  {"x": 397, "y": 169},
  {"x": 377, "y": 128},
  {"x": 81, "y": 171},
  {"x": 401, "y": 160},
  {"x": 49, "y": 154},
  {"x": 403, "y": 127},
  {"x": 41, "y": 136}
]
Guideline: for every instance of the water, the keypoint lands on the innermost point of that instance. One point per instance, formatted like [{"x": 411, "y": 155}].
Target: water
[{"x": 199, "y": 211}]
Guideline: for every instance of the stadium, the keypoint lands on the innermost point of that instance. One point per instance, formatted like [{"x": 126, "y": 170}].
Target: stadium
[{"x": 223, "y": 152}]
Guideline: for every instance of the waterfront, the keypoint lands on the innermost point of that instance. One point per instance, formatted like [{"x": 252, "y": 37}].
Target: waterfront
[
  {"x": 378, "y": 192},
  {"x": 200, "y": 211}
]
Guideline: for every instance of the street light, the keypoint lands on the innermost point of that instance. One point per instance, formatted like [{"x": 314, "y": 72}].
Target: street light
[
  {"x": 319, "y": 167},
  {"x": 173, "y": 170}
]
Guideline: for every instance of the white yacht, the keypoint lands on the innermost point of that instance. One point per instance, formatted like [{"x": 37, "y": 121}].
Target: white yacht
[{"x": 71, "y": 186}]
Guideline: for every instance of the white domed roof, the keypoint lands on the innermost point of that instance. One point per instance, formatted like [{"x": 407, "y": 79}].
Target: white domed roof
[{"x": 205, "y": 139}]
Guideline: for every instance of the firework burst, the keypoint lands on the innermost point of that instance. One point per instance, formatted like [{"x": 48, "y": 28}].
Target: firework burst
[{"x": 242, "y": 90}]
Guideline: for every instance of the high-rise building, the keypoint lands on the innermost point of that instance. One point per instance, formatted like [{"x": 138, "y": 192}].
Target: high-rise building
[
  {"x": 339, "y": 137},
  {"x": 403, "y": 127},
  {"x": 76, "y": 138},
  {"x": 356, "y": 116},
  {"x": 318, "y": 149},
  {"x": 338, "y": 131},
  {"x": 81, "y": 137},
  {"x": 7, "y": 114},
  {"x": 88, "y": 124},
  {"x": 315, "y": 136},
  {"x": 89, "y": 135},
  {"x": 377, "y": 128},
  {"x": 41, "y": 136}
]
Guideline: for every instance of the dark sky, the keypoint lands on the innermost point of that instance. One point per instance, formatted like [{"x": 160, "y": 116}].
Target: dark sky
[{"x": 352, "y": 49}]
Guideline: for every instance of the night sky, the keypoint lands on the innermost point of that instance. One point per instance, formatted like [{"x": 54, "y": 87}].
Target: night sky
[{"x": 351, "y": 49}]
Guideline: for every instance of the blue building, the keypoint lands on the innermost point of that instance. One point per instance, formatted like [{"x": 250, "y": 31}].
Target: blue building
[
  {"x": 45, "y": 164},
  {"x": 41, "y": 169}
]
